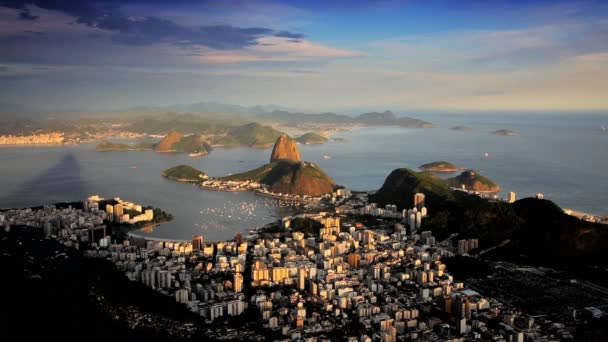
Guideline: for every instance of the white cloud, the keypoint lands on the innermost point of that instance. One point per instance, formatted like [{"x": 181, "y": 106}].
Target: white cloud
[{"x": 276, "y": 49}]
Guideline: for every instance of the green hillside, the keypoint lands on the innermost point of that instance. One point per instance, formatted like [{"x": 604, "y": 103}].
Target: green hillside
[
  {"x": 185, "y": 173},
  {"x": 192, "y": 144},
  {"x": 401, "y": 185},
  {"x": 440, "y": 166},
  {"x": 284, "y": 176},
  {"x": 312, "y": 138},
  {"x": 473, "y": 181},
  {"x": 253, "y": 135},
  {"x": 110, "y": 146}
]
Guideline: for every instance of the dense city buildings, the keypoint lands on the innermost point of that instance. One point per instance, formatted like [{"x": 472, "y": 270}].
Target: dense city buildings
[{"x": 380, "y": 282}]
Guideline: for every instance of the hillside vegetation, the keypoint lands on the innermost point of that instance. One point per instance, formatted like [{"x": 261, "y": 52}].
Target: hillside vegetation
[
  {"x": 440, "y": 166},
  {"x": 185, "y": 173},
  {"x": 289, "y": 177},
  {"x": 312, "y": 138},
  {"x": 531, "y": 228},
  {"x": 110, "y": 146}
]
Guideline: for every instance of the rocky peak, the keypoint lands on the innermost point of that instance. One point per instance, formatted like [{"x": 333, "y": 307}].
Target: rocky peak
[{"x": 285, "y": 148}]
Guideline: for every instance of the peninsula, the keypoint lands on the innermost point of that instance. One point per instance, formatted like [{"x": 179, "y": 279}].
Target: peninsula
[{"x": 286, "y": 174}]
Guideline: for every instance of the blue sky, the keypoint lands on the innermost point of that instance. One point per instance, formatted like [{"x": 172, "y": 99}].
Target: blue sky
[{"x": 311, "y": 55}]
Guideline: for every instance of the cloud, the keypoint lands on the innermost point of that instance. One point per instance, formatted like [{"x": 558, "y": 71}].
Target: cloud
[
  {"x": 276, "y": 49},
  {"x": 286, "y": 34},
  {"x": 497, "y": 50},
  {"x": 146, "y": 30},
  {"x": 26, "y": 15}
]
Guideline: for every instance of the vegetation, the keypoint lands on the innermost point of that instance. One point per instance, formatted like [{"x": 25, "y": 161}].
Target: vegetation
[
  {"x": 386, "y": 118},
  {"x": 308, "y": 226},
  {"x": 110, "y": 146},
  {"x": 175, "y": 142},
  {"x": 285, "y": 176},
  {"x": 401, "y": 185},
  {"x": 184, "y": 173},
  {"x": 472, "y": 180},
  {"x": 96, "y": 294},
  {"x": 186, "y": 123},
  {"x": 192, "y": 144},
  {"x": 312, "y": 138},
  {"x": 534, "y": 228},
  {"x": 440, "y": 166},
  {"x": 254, "y": 135},
  {"x": 227, "y": 140}
]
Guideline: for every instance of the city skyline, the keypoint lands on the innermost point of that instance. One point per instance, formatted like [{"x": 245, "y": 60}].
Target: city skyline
[{"x": 401, "y": 55}]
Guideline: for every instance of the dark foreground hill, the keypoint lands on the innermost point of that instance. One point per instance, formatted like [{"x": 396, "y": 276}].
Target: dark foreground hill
[
  {"x": 52, "y": 290},
  {"x": 534, "y": 228}
]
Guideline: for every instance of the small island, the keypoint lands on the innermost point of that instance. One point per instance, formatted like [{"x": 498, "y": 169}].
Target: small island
[
  {"x": 440, "y": 166},
  {"x": 505, "y": 132},
  {"x": 462, "y": 128},
  {"x": 185, "y": 173},
  {"x": 312, "y": 138},
  {"x": 106, "y": 146}
]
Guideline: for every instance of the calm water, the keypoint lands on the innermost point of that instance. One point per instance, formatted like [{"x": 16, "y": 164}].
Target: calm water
[{"x": 563, "y": 157}]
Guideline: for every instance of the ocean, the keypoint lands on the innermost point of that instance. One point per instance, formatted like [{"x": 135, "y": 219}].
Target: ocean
[{"x": 564, "y": 157}]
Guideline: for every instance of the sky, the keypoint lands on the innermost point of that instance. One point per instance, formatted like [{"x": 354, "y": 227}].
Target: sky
[{"x": 517, "y": 56}]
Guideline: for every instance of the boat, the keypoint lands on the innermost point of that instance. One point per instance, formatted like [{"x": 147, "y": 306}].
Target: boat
[
  {"x": 486, "y": 155},
  {"x": 604, "y": 128},
  {"x": 325, "y": 156}
]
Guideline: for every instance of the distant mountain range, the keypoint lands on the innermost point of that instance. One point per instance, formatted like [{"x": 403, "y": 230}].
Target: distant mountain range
[
  {"x": 386, "y": 118},
  {"x": 201, "y": 118}
]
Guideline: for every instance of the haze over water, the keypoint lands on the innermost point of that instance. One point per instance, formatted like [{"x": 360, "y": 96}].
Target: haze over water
[{"x": 563, "y": 157}]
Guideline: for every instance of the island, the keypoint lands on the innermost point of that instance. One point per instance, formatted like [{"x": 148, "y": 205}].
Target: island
[
  {"x": 462, "y": 128},
  {"x": 106, "y": 146},
  {"x": 185, "y": 173},
  {"x": 312, "y": 138},
  {"x": 505, "y": 132},
  {"x": 388, "y": 118},
  {"x": 440, "y": 166}
]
